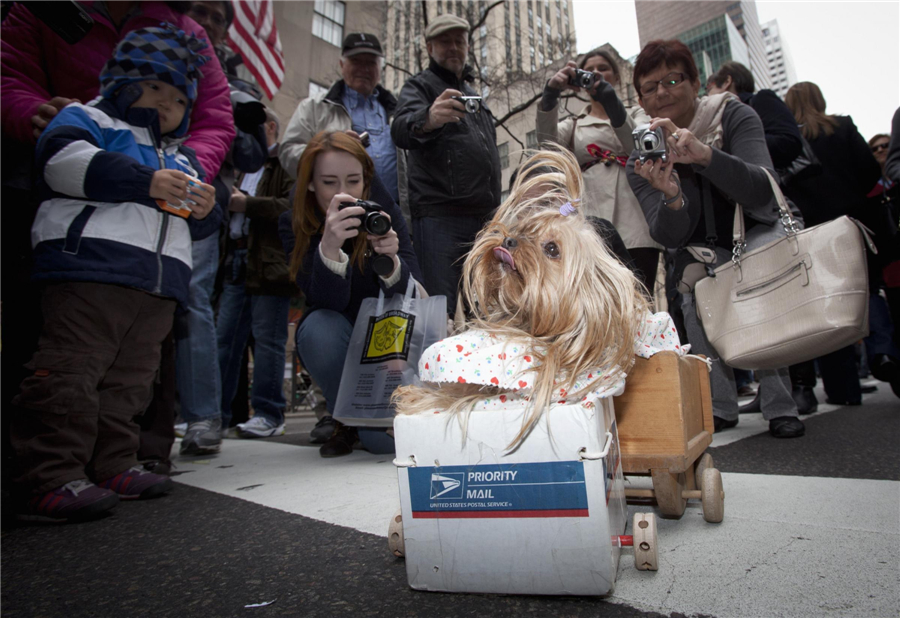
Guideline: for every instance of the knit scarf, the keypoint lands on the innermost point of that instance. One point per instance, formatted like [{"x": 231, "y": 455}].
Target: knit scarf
[{"x": 707, "y": 123}]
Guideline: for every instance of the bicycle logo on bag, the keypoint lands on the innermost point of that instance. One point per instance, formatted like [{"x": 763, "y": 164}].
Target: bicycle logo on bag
[{"x": 388, "y": 337}]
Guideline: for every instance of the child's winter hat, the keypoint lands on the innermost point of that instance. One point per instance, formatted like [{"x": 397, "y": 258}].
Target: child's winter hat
[{"x": 165, "y": 54}]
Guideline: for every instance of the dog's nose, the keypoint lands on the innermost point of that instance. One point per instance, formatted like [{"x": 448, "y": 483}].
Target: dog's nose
[{"x": 509, "y": 243}]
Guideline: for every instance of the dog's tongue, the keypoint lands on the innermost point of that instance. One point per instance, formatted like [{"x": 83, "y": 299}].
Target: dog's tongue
[{"x": 504, "y": 256}]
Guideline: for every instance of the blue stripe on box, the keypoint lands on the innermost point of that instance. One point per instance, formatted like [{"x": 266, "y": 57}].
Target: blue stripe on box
[{"x": 548, "y": 489}]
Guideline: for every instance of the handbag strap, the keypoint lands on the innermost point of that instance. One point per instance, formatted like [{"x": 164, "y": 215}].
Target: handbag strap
[{"x": 739, "y": 233}]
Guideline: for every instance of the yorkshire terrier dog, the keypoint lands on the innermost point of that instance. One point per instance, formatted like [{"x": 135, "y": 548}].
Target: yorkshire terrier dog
[{"x": 554, "y": 317}]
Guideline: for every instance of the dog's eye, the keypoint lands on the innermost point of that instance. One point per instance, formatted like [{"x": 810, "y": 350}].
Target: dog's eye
[{"x": 551, "y": 250}]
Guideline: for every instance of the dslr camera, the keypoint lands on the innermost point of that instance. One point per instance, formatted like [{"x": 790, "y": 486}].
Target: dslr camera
[
  {"x": 473, "y": 104},
  {"x": 372, "y": 221},
  {"x": 650, "y": 144},
  {"x": 583, "y": 79}
]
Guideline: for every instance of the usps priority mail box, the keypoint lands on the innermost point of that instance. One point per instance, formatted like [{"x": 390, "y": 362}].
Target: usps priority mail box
[{"x": 543, "y": 519}]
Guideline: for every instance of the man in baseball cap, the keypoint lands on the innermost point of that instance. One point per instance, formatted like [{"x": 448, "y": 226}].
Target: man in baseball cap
[
  {"x": 356, "y": 104},
  {"x": 454, "y": 165}
]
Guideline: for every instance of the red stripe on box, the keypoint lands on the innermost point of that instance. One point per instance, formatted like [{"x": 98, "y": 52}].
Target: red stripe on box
[{"x": 495, "y": 514}]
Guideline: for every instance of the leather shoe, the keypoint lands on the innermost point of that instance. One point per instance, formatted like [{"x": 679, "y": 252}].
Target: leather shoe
[
  {"x": 750, "y": 407},
  {"x": 887, "y": 369},
  {"x": 720, "y": 423},
  {"x": 835, "y": 402},
  {"x": 805, "y": 398},
  {"x": 341, "y": 441},
  {"x": 869, "y": 388},
  {"x": 786, "y": 427}
]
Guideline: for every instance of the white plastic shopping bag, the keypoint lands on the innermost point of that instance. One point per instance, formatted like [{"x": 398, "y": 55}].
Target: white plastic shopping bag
[{"x": 387, "y": 341}]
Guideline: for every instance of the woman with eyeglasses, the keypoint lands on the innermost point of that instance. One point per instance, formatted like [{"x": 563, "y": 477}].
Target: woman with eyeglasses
[
  {"x": 849, "y": 171},
  {"x": 882, "y": 216},
  {"x": 599, "y": 136},
  {"x": 717, "y": 156}
]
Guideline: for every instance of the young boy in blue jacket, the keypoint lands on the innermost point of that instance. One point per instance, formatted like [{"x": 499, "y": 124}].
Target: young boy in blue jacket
[{"x": 112, "y": 247}]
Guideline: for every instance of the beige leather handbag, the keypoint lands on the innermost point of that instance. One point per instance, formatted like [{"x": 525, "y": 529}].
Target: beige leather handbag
[{"x": 791, "y": 300}]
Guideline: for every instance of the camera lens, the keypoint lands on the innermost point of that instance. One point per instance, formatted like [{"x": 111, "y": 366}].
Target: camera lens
[
  {"x": 472, "y": 106},
  {"x": 377, "y": 224},
  {"x": 650, "y": 141}
]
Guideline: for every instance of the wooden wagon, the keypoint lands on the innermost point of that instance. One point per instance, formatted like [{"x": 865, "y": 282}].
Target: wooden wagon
[{"x": 665, "y": 424}]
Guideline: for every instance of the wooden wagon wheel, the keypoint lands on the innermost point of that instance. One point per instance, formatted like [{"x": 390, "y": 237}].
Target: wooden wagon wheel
[
  {"x": 704, "y": 463},
  {"x": 712, "y": 496},
  {"x": 646, "y": 550},
  {"x": 668, "y": 490},
  {"x": 395, "y": 536}
]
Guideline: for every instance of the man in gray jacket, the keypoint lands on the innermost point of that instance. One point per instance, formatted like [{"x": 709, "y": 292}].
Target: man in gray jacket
[{"x": 356, "y": 104}]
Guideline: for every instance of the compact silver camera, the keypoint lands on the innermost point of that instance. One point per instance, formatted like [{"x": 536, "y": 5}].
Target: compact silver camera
[
  {"x": 650, "y": 144},
  {"x": 473, "y": 104},
  {"x": 583, "y": 79}
]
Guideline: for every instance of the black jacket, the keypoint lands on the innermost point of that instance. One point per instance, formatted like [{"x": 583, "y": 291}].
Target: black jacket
[
  {"x": 782, "y": 134},
  {"x": 454, "y": 170},
  {"x": 849, "y": 171}
]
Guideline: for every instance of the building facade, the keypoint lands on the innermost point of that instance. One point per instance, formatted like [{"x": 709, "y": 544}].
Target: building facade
[
  {"x": 778, "y": 55},
  {"x": 516, "y": 46},
  {"x": 716, "y": 32}
]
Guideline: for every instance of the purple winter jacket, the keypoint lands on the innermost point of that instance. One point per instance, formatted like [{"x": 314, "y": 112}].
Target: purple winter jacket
[{"x": 37, "y": 65}]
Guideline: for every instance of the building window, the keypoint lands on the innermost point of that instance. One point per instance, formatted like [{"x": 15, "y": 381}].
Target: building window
[
  {"x": 504, "y": 155},
  {"x": 440, "y": 8},
  {"x": 328, "y": 21},
  {"x": 531, "y": 140}
]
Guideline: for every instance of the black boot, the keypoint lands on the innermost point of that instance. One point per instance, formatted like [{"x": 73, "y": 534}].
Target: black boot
[
  {"x": 887, "y": 369},
  {"x": 787, "y": 427},
  {"x": 805, "y": 398},
  {"x": 753, "y": 406},
  {"x": 341, "y": 441}
]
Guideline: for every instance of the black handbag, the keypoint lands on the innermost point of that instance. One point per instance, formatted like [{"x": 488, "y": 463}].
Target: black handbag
[{"x": 806, "y": 165}]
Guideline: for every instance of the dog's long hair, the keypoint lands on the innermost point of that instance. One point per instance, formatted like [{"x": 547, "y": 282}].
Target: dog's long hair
[{"x": 560, "y": 292}]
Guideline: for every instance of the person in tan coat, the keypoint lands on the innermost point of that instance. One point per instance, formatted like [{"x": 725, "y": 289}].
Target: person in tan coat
[{"x": 600, "y": 138}]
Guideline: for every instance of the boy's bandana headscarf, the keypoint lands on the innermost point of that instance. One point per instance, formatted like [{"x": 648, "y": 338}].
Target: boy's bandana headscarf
[{"x": 165, "y": 54}]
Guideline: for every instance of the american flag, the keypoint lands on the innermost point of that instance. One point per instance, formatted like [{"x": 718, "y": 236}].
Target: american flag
[{"x": 254, "y": 36}]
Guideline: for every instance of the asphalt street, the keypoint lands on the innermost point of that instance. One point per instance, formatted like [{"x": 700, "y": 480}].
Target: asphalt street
[{"x": 811, "y": 528}]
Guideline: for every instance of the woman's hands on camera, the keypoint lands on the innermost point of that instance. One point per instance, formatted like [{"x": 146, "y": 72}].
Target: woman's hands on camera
[
  {"x": 340, "y": 224},
  {"x": 560, "y": 81},
  {"x": 684, "y": 147},
  {"x": 660, "y": 176}
]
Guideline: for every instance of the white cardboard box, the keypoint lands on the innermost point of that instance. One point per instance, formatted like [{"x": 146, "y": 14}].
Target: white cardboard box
[{"x": 543, "y": 519}]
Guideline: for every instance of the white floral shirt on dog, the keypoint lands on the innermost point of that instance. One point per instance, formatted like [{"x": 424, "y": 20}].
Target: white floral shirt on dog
[{"x": 478, "y": 357}]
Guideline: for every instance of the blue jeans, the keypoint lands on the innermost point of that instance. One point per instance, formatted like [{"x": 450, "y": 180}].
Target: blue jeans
[
  {"x": 322, "y": 340},
  {"x": 881, "y": 328},
  {"x": 195, "y": 339},
  {"x": 441, "y": 244},
  {"x": 266, "y": 317}
]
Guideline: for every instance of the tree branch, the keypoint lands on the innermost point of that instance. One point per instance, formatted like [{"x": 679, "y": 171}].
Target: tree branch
[
  {"x": 484, "y": 15},
  {"x": 518, "y": 108},
  {"x": 397, "y": 68}
]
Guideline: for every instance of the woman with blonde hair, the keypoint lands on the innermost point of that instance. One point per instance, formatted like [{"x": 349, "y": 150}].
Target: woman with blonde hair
[
  {"x": 849, "y": 171},
  {"x": 335, "y": 263},
  {"x": 599, "y": 136}
]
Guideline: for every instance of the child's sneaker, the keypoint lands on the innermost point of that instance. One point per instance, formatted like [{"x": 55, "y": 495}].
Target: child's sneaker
[
  {"x": 137, "y": 484},
  {"x": 75, "y": 501},
  {"x": 180, "y": 429},
  {"x": 260, "y": 427}
]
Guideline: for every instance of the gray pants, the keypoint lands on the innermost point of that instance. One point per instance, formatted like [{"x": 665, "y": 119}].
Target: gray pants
[{"x": 774, "y": 384}]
